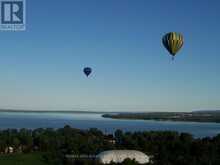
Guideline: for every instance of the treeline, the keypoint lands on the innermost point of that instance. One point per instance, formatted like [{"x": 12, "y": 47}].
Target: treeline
[
  {"x": 206, "y": 116},
  {"x": 164, "y": 147}
]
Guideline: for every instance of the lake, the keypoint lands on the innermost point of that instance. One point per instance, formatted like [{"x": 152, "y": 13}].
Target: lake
[{"x": 33, "y": 120}]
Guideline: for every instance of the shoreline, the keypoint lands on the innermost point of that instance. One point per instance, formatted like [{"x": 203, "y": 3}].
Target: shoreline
[{"x": 199, "y": 117}]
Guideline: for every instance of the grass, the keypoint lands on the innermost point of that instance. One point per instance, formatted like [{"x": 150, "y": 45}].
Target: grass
[{"x": 22, "y": 159}]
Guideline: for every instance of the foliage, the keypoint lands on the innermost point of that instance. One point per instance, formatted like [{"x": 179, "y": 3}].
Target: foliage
[
  {"x": 164, "y": 147},
  {"x": 22, "y": 159}
]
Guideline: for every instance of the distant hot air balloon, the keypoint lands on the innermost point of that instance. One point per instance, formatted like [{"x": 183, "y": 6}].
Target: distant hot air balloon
[
  {"x": 173, "y": 42},
  {"x": 87, "y": 71}
]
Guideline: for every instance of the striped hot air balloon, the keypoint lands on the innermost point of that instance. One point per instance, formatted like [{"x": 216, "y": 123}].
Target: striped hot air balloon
[{"x": 173, "y": 42}]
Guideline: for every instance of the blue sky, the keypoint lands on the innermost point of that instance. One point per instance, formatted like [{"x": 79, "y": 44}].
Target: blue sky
[{"x": 41, "y": 68}]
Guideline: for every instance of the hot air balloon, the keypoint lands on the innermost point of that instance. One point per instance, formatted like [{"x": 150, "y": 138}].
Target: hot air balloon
[
  {"x": 173, "y": 42},
  {"x": 87, "y": 71}
]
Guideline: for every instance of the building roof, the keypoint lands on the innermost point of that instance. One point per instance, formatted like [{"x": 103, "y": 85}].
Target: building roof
[{"x": 118, "y": 156}]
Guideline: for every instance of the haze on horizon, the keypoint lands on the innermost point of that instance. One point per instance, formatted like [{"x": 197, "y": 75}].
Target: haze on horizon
[{"x": 41, "y": 68}]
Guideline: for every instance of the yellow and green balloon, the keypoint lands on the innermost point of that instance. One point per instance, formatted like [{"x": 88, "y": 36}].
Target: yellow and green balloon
[{"x": 173, "y": 42}]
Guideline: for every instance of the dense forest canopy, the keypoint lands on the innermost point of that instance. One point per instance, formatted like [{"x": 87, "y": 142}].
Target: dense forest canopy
[{"x": 164, "y": 147}]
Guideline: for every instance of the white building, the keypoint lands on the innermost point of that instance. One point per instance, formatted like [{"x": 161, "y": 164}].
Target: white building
[{"x": 118, "y": 156}]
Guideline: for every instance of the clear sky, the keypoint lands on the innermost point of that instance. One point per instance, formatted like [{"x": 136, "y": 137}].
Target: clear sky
[{"x": 41, "y": 68}]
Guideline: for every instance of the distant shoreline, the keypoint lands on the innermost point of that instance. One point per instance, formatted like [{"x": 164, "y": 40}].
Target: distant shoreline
[
  {"x": 52, "y": 111},
  {"x": 197, "y": 116}
]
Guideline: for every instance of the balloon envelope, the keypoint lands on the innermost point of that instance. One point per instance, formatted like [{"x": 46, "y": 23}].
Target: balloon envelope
[
  {"x": 173, "y": 42},
  {"x": 87, "y": 71}
]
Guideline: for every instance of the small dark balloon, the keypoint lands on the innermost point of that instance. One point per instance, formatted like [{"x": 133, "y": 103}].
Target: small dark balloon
[{"x": 87, "y": 71}]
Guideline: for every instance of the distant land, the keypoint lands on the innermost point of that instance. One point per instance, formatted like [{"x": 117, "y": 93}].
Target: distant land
[
  {"x": 195, "y": 116},
  {"x": 50, "y": 111}
]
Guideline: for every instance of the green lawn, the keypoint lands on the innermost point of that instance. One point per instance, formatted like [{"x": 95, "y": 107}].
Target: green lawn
[{"x": 22, "y": 159}]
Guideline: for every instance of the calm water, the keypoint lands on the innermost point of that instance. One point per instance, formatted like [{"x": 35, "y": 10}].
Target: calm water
[{"x": 85, "y": 121}]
